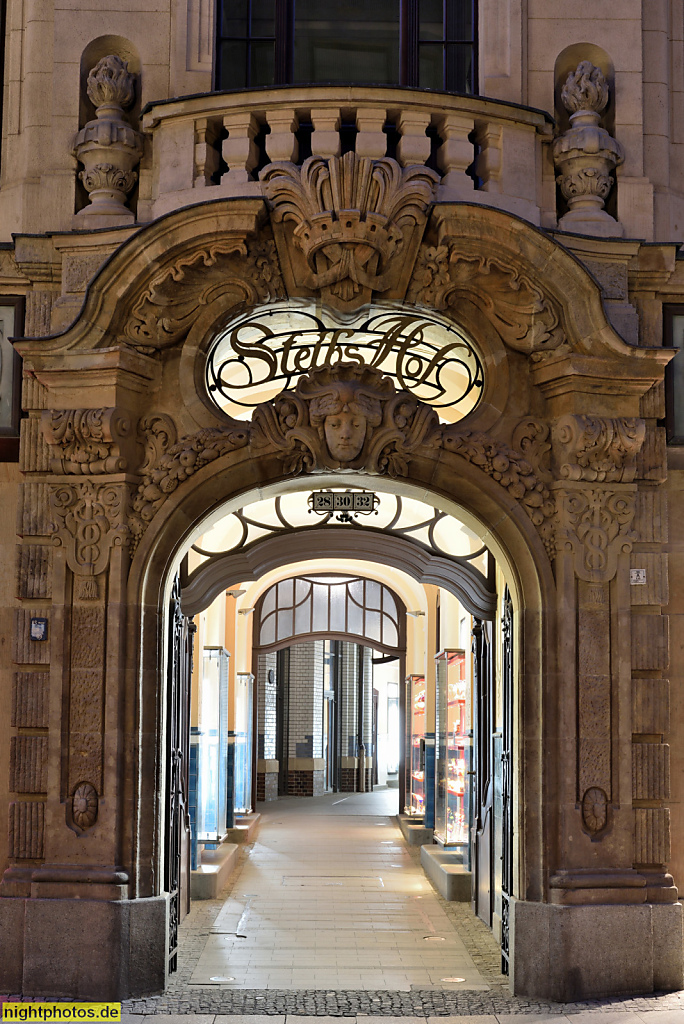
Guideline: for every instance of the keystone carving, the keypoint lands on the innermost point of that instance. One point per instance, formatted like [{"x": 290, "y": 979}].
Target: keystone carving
[
  {"x": 169, "y": 306},
  {"x": 527, "y": 321},
  {"x": 89, "y": 518},
  {"x": 596, "y": 525},
  {"x": 108, "y": 147},
  {"x": 596, "y": 449},
  {"x": 89, "y": 441},
  {"x": 345, "y": 417},
  {"x": 586, "y": 155},
  {"x": 356, "y": 222}
]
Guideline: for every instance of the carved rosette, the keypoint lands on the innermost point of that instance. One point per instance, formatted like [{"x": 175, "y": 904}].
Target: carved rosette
[
  {"x": 586, "y": 155},
  {"x": 595, "y": 523},
  {"x": 354, "y": 221},
  {"x": 84, "y": 807},
  {"x": 170, "y": 304},
  {"x": 595, "y": 810},
  {"x": 447, "y": 275},
  {"x": 108, "y": 147}
]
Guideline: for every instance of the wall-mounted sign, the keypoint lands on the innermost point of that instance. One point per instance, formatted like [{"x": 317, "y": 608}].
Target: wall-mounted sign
[
  {"x": 263, "y": 353},
  {"x": 38, "y": 629},
  {"x": 637, "y": 577}
]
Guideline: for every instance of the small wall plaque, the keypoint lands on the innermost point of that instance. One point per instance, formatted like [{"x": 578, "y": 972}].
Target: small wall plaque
[
  {"x": 637, "y": 577},
  {"x": 39, "y": 629}
]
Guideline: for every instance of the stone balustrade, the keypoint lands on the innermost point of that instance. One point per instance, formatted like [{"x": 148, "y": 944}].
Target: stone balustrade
[{"x": 214, "y": 145}]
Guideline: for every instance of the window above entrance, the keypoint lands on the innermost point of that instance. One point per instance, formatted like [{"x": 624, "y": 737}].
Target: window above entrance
[
  {"x": 264, "y": 352},
  {"x": 429, "y": 44}
]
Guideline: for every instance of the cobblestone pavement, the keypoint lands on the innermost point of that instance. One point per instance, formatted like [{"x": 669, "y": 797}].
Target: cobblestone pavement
[{"x": 492, "y": 1006}]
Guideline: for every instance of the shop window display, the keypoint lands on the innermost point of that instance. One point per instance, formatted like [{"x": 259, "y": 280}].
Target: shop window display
[
  {"x": 454, "y": 744},
  {"x": 415, "y": 745}
]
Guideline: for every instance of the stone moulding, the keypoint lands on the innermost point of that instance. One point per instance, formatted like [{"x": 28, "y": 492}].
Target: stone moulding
[
  {"x": 168, "y": 307},
  {"x": 354, "y": 218},
  {"x": 89, "y": 441}
]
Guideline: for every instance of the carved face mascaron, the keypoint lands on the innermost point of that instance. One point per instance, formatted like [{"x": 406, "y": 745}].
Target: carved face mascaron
[
  {"x": 345, "y": 433},
  {"x": 342, "y": 414}
]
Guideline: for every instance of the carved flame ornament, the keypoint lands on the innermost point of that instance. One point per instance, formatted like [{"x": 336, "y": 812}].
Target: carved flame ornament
[
  {"x": 353, "y": 220},
  {"x": 595, "y": 810},
  {"x": 84, "y": 807}
]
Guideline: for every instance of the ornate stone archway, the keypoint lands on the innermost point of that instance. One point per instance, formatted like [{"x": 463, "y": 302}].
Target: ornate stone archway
[{"x": 562, "y": 461}]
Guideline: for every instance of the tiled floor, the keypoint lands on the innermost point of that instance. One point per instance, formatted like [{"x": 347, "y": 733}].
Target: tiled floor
[
  {"x": 329, "y": 898},
  {"x": 596, "y": 1016}
]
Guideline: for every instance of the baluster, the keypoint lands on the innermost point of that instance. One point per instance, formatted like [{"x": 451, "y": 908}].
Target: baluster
[
  {"x": 239, "y": 150},
  {"x": 325, "y": 138},
  {"x": 282, "y": 143},
  {"x": 456, "y": 153},
  {"x": 371, "y": 141},
  {"x": 489, "y": 163},
  {"x": 414, "y": 145},
  {"x": 206, "y": 155}
]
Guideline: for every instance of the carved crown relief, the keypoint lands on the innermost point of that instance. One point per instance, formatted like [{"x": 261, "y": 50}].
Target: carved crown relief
[
  {"x": 356, "y": 222},
  {"x": 526, "y": 319},
  {"x": 169, "y": 306}
]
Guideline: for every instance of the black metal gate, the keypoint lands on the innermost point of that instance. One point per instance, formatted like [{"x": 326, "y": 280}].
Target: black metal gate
[
  {"x": 507, "y": 778},
  {"x": 177, "y": 852}
]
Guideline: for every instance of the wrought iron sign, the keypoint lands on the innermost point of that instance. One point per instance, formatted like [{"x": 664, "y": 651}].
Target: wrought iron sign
[
  {"x": 347, "y": 503},
  {"x": 263, "y": 353}
]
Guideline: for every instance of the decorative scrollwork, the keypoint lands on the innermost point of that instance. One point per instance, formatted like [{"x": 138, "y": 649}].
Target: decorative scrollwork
[
  {"x": 595, "y": 524},
  {"x": 597, "y": 449},
  {"x": 527, "y": 320},
  {"x": 168, "y": 307},
  {"x": 89, "y": 441},
  {"x": 424, "y": 354},
  {"x": 89, "y": 519}
]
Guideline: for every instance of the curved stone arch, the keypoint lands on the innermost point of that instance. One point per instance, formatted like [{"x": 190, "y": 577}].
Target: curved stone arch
[
  {"x": 448, "y": 482},
  {"x": 460, "y": 579}
]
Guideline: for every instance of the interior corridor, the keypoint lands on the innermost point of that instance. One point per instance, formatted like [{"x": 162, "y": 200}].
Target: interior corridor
[{"x": 328, "y": 897}]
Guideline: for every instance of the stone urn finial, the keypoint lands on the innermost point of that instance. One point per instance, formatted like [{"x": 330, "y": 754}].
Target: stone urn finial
[
  {"x": 586, "y": 154},
  {"x": 108, "y": 147}
]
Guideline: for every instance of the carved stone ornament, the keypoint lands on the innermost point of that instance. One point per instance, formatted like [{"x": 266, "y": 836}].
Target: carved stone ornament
[
  {"x": 156, "y": 432},
  {"x": 89, "y": 518},
  {"x": 108, "y": 147},
  {"x": 169, "y": 306},
  {"x": 586, "y": 155},
  {"x": 354, "y": 220},
  {"x": 179, "y": 462},
  {"x": 89, "y": 441},
  {"x": 597, "y": 449},
  {"x": 345, "y": 417},
  {"x": 84, "y": 806},
  {"x": 595, "y": 810},
  {"x": 445, "y": 276},
  {"x": 595, "y": 524}
]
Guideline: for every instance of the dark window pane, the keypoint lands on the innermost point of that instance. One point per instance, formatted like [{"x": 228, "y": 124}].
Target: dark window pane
[
  {"x": 431, "y": 66},
  {"x": 459, "y": 20},
  {"x": 459, "y": 65},
  {"x": 232, "y": 65},
  {"x": 263, "y": 18},
  {"x": 234, "y": 18},
  {"x": 347, "y": 41},
  {"x": 431, "y": 15},
  {"x": 262, "y": 64}
]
